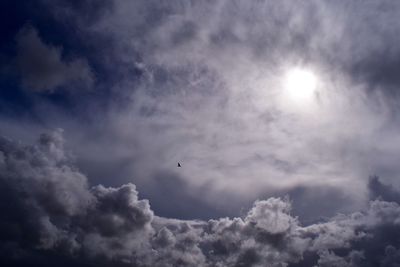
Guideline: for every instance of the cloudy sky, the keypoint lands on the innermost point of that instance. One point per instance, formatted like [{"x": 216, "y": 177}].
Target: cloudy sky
[{"x": 283, "y": 115}]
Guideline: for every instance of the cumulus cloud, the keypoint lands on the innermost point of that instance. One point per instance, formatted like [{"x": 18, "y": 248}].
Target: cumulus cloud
[
  {"x": 42, "y": 67},
  {"x": 49, "y": 212}
]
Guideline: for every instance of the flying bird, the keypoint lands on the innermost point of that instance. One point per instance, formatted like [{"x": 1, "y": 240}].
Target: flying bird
[{"x": 179, "y": 165}]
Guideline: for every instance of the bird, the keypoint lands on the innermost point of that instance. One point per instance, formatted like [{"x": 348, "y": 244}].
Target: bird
[{"x": 179, "y": 165}]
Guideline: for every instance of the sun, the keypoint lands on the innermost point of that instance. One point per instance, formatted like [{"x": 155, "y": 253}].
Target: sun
[{"x": 300, "y": 85}]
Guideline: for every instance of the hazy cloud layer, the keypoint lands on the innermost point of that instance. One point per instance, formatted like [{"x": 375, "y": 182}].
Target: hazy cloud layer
[
  {"x": 49, "y": 211},
  {"x": 210, "y": 94}
]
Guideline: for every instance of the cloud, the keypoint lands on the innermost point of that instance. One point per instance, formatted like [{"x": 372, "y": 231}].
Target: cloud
[
  {"x": 380, "y": 190},
  {"x": 330, "y": 259},
  {"x": 208, "y": 94},
  {"x": 50, "y": 213},
  {"x": 173, "y": 191},
  {"x": 87, "y": 11},
  {"x": 42, "y": 67}
]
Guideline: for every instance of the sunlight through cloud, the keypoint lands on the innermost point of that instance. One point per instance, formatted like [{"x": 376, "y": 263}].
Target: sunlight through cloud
[{"x": 300, "y": 85}]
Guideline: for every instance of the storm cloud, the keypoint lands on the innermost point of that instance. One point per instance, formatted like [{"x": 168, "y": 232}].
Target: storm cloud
[{"x": 48, "y": 207}]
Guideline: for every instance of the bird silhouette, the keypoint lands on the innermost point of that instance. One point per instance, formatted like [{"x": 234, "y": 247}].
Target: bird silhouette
[{"x": 179, "y": 165}]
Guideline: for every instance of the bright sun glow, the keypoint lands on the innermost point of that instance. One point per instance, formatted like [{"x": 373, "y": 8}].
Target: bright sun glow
[{"x": 300, "y": 85}]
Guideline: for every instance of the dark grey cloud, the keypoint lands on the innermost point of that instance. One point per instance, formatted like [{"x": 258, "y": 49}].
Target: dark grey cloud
[
  {"x": 87, "y": 11},
  {"x": 313, "y": 204},
  {"x": 53, "y": 204},
  {"x": 49, "y": 214},
  {"x": 42, "y": 67},
  {"x": 380, "y": 190}
]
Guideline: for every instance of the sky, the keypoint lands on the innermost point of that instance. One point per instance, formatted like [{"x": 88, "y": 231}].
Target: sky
[{"x": 282, "y": 114}]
